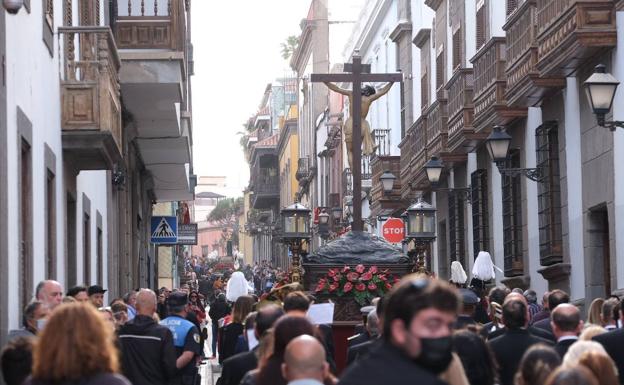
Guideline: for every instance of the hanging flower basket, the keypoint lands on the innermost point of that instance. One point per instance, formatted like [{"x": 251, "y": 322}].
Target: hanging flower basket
[{"x": 358, "y": 283}]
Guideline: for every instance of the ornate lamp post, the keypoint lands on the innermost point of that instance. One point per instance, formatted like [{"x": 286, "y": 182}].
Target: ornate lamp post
[
  {"x": 12, "y": 6},
  {"x": 387, "y": 180},
  {"x": 323, "y": 224},
  {"x": 296, "y": 230},
  {"x": 498, "y": 146},
  {"x": 600, "y": 88},
  {"x": 420, "y": 228},
  {"x": 434, "y": 168}
]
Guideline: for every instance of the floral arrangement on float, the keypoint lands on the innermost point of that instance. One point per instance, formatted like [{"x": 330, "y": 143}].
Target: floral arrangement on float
[{"x": 362, "y": 284}]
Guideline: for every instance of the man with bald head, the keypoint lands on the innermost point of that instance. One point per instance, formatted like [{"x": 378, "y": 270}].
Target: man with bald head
[
  {"x": 566, "y": 325},
  {"x": 304, "y": 362},
  {"x": 148, "y": 354},
  {"x": 540, "y": 333},
  {"x": 50, "y": 293}
]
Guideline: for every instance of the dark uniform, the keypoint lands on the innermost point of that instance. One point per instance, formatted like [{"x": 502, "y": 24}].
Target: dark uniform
[{"x": 185, "y": 339}]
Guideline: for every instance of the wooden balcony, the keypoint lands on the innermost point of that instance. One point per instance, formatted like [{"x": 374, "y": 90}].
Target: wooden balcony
[
  {"x": 490, "y": 106},
  {"x": 385, "y": 203},
  {"x": 150, "y": 24},
  {"x": 266, "y": 188},
  {"x": 437, "y": 127},
  {"x": 461, "y": 134},
  {"x": 413, "y": 158},
  {"x": 525, "y": 87},
  {"x": 91, "y": 108},
  {"x": 571, "y": 31}
]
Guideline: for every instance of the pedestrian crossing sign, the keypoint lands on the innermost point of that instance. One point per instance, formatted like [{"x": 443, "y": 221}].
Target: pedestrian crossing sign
[{"x": 164, "y": 230}]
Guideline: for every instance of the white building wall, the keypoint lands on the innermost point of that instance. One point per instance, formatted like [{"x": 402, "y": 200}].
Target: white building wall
[
  {"x": 471, "y": 32},
  {"x": 575, "y": 188},
  {"x": 33, "y": 85},
  {"x": 497, "y": 221},
  {"x": 538, "y": 283},
  {"x": 618, "y": 151},
  {"x": 497, "y": 17}
]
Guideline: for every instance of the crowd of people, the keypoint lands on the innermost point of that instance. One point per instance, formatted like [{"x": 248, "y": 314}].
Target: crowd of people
[{"x": 425, "y": 331}]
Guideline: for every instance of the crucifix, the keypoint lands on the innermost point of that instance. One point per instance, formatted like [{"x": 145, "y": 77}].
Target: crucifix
[{"x": 360, "y": 100}]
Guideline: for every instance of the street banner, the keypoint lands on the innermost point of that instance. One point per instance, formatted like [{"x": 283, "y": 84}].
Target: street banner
[{"x": 187, "y": 234}]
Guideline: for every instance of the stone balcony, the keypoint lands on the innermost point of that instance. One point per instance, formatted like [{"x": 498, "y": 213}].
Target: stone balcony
[
  {"x": 571, "y": 31},
  {"x": 91, "y": 107}
]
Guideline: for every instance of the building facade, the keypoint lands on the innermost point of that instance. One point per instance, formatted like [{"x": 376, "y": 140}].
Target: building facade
[{"x": 82, "y": 159}]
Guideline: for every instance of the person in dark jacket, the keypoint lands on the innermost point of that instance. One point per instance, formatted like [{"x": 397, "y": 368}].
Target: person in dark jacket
[
  {"x": 566, "y": 325},
  {"x": 148, "y": 355},
  {"x": 613, "y": 342},
  {"x": 229, "y": 333},
  {"x": 218, "y": 309},
  {"x": 555, "y": 298},
  {"x": 359, "y": 351},
  {"x": 509, "y": 348},
  {"x": 416, "y": 346},
  {"x": 235, "y": 367}
]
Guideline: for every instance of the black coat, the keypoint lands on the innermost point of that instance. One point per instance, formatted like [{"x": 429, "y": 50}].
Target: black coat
[
  {"x": 544, "y": 325},
  {"x": 613, "y": 342},
  {"x": 147, "y": 353},
  {"x": 235, "y": 367},
  {"x": 534, "y": 331},
  {"x": 358, "y": 339},
  {"x": 228, "y": 337},
  {"x": 360, "y": 351},
  {"x": 218, "y": 310},
  {"x": 508, "y": 350},
  {"x": 387, "y": 365},
  {"x": 562, "y": 346}
]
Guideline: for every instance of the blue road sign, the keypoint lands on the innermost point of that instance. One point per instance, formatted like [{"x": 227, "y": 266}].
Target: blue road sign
[{"x": 164, "y": 230}]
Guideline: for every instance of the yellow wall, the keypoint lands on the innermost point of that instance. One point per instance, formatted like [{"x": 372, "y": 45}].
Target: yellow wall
[{"x": 290, "y": 152}]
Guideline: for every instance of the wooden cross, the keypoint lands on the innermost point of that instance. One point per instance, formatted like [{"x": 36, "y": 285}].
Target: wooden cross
[{"x": 356, "y": 73}]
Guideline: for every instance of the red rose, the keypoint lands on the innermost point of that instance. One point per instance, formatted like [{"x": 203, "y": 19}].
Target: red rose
[
  {"x": 346, "y": 269},
  {"x": 333, "y": 287},
  {"x": 320, "y": 287},
  {"x": 360, "y": 268},
  {"x": 388, "y": 286},
  {"x": 373, "y": 270},
  {"x": 347, "y": 287},
  {"x": 367, "y": 276},
  {"x": 331, "y": 273},
  {"x": 336, "y": 278},
  {"x": 360, "y": 287},
  {"x": 353, "y": 276}
]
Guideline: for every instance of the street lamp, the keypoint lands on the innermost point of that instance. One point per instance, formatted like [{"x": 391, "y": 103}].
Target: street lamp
[
  {"x": 387, "y": 180},
  {"x": 498, "y": 143},
  {"x": 12, "y": 6},
  {"x": 323, "y": 224},
  {"x": 600, "y": 88},
  {"x": 296, "y": 230},
  {"x": 434, "y": 168},
  {"x": 420, "y": 228},
  {"x": 336, "y": 213},
  {"x": 323, "y": 218}
]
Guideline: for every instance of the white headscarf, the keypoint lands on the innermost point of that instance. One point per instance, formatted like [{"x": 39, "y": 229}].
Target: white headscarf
[
  {"x": 483, "y": 268},
  {"x": 458, "y": 274},
  {"x": 236, "y": 286}
]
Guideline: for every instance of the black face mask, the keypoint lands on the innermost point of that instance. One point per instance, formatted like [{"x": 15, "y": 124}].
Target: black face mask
[{"x": 435, "y": 354}]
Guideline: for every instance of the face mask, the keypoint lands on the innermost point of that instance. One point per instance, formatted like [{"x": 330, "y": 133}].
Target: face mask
[
  {"x": 41, "y": 323},
  {"x": 435, "y": 354}
]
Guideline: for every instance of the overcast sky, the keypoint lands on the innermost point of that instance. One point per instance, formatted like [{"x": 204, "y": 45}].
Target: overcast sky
[{"x": 237, "y": 53}]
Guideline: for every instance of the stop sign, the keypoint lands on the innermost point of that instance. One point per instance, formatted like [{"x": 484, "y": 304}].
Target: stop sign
[{"x": 393, "y": 230}]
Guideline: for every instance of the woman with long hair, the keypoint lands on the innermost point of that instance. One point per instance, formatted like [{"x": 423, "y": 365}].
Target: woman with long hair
[
  {"x": 76, "y": 346},
  {"x": 228, "y": 335},
  {"x": 476, "y": 357},
  {"x": 536, "y": 364},
  {"x": 594, "y": 312},
  {"x": 602, "y": 366}
]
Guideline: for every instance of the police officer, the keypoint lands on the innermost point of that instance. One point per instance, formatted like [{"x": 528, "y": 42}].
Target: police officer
[{"x": 186, "y": 339}]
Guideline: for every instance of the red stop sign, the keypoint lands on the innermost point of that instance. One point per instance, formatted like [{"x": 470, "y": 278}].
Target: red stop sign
[{"x": 393, "y": 230}]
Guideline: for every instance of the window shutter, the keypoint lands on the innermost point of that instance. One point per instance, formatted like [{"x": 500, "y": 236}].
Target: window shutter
[
  {"x": 511, "y": 6},
  {"x": 440, "y": 70},
  {"x": 457, "y": 48},
  {"x": 481, "y": 23},
  {"x": 424, "y": 91}
]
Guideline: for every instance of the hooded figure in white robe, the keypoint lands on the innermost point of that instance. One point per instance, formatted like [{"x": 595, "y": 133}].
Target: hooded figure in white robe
[
  {"x": 458, "y": 274},
  {"x": 236, "y": 286}
]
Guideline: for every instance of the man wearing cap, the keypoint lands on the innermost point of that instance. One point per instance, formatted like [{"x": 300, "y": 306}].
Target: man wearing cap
[
  {"x": 467, "y": 311},
  {"x": 185, "y": 339},
  {"x": 96, "y": 295},
  {"x": 362, "y": 335}
]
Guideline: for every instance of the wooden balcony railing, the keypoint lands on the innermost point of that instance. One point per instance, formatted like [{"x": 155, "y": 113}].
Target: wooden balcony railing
[
  {"x": 413, "y": 157},
  {"x": 381, "y": 136},
  {"x": 525, "y": 87},
  {"x": 266, "y": 185},
  {"x": 150, "y": 24},
  {"x": 90, "y": 81},
  {"x": 437, "y": 127},
  {"x": 490, "y": 105},
  {"x": 461, "y": 111},
  {"x": 571, "y": 31}
]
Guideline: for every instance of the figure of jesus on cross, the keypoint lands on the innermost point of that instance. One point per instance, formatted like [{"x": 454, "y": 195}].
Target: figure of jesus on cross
[{"x": 360, "y": 102}]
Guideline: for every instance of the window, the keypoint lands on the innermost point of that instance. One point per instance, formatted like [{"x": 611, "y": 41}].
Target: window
[
  {"x": 86, "y": 248},
  {"x": 424, "y": 90},
  {"x": 26, "y": 197},
  {"x": 479, "y": 195},
  {"x": 205, "y": 250},
  {"x": 50, "y": 223},
  {"x": 100, "y": 258},
  {"x": 456, "y": 228},
  {"x": 440, "y": 69},
  {"x": 549, "y": 194},
  {"x": 457, "y": 48},
  {"x": 482, "y": 22},
  {"x": 512, "y": 218}
]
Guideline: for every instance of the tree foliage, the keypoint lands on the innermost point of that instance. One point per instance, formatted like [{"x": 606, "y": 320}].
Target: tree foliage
[
  {"x": 227, "y": 211},
  {"x": 289, "y": 46}
]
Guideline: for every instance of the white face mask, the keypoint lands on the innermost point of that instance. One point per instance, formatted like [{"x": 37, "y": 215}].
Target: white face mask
[{"x": 41, "y": 324}]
